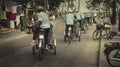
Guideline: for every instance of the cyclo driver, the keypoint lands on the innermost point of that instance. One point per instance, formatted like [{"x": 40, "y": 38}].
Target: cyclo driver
[
  {"x": 43, "y": 23},
  {"x": 69, "y": 19},
  {"x": 78, "y": 18}
]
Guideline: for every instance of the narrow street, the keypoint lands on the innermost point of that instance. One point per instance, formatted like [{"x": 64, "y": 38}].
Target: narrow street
[{"x": 17, "y": 52}]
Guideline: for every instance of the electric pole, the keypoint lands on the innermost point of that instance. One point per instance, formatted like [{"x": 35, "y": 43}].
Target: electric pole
[{"x": 78, "y": 5}]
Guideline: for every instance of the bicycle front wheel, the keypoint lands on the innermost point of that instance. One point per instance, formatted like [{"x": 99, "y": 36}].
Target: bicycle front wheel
[{"x": 96, "y": 35}]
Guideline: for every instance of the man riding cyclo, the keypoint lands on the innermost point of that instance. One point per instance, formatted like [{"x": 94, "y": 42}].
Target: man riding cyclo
[
  {"x": 77, "y": 19},
  {"x": 69, "y": 20},
  {"x": 42, "y": 23}
]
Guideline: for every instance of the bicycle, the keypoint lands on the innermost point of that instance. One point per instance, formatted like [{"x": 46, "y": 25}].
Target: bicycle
[
  {"x": 41, "y": 45},
  {"x": 105, "y": 30},
  {"x": 76, "y": 30}
]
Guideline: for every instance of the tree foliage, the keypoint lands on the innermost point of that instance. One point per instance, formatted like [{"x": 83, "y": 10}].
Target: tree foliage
[
  {"x": 53, "y": 4},
  {"x": 97, "y": 3}
]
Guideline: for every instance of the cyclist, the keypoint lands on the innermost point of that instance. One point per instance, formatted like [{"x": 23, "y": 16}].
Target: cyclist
[
  {"x": 43, "y": 23},
  {"x": 69, "y": 20}
]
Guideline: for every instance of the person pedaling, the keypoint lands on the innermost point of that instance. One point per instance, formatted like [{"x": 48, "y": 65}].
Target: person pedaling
[
  {"x": 69, "y": 20},
  {"x": 42, "y": 23}
]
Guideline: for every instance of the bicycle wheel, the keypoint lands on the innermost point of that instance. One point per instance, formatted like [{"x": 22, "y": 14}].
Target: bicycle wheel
[
  {"x": 33, "y": 50},
  {"x": 96, "y": 35},
  {"x": 69, "y": 39},
  {"x": 112, "y": 34},
  {"x": 41, "y": 49},
  {"x": 54, "y": 46},
  {"x": 106, "y": 34},
  {"x": 79, "y": 36},
  {"x": 40, "y": 53},
  {"x": 113, "y": 59}
]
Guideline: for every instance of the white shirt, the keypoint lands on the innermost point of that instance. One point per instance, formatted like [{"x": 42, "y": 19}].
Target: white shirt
[
  {"x": 45, "y": 20},
  {"x": 17, "y": 19},
  {"x": 14, "y": 9},
  {"x": 77, "y": 15},
  {"x": 69, "y": 19}
]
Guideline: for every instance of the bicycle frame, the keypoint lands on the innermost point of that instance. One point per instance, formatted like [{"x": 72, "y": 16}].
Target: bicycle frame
[{"x": 41, "y": 39}]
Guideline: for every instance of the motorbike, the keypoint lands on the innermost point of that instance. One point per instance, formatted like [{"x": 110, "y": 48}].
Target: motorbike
[{"x": 112, "y": 53}]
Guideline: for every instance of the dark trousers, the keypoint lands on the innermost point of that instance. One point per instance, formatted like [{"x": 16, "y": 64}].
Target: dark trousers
[
  {"x": 67, "y": 26},
  {"x": 22, "y": 26},
  {"x": 36, "y": 31}
]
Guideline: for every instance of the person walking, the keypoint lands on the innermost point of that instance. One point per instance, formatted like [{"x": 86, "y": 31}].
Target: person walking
[{"x": 22, "y": 21}]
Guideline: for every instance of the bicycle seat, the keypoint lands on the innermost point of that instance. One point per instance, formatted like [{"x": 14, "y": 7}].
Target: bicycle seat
[
  {"x": 42, "y": 30},
  {"x": 115, "y": 44}
]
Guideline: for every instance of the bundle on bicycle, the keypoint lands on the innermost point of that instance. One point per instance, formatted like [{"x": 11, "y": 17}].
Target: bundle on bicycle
[{"x": 112, "y": 53}]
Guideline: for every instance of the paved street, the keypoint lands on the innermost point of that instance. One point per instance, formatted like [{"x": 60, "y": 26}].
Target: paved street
[{"x": 16, "y": 51}]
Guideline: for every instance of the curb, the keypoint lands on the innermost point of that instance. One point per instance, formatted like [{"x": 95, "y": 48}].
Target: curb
[{"x": 13, "y": 38}]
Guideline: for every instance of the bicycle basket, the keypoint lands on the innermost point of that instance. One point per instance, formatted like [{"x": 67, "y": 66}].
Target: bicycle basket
[{"x": 98, "y": 27}]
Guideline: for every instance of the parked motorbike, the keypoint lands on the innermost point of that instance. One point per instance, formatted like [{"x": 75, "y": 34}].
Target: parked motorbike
[{"x": 112, "y": 53}]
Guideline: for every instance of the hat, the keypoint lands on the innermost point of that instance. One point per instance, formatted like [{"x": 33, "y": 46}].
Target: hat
[
  {"x": 69, "y": 10},
  {"x": 77, "y": 10},
  {"x": 40, "y": 7}
]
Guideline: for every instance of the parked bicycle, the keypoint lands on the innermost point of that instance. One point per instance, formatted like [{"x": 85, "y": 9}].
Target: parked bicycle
[{"x": 104, "y": 29}]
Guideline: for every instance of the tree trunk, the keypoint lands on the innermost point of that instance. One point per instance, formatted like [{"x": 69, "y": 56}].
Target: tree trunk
[
  {"x": 119, "y": 21},
  {"x": 78, "y": 5},
  {"x": 113, "y": 20}
]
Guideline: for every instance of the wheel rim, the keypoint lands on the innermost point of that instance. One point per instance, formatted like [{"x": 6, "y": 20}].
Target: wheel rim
[
  {"x": 69, "y": 39},
  {"x": 79, "y": 38},
  {"x": 104, "y": 34},
  {"x": 54, "y": 50},
  {"x": 40, "y": 53},
  {"x": 112, "y": 60},
  {"x": 33, "y": 50},
  {"x": 64, "y": 39},
  {"x": 96, "y": 35}
]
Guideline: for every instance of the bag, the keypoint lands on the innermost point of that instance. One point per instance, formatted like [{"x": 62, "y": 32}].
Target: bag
[
  {"x": 75, "y": 17},
  {"x": 98, "y": 26},
  {"x": 107, "y": 26}
]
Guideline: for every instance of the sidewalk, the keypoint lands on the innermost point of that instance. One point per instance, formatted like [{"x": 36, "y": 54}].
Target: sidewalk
[
  {"x": 102, "y": 59},
  {"x": 9, "y": 35}
]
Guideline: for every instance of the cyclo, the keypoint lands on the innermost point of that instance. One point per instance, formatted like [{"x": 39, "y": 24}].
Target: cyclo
[
  {"x": 69, "y": 33},
  {"x": 40, "y": 44}
]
